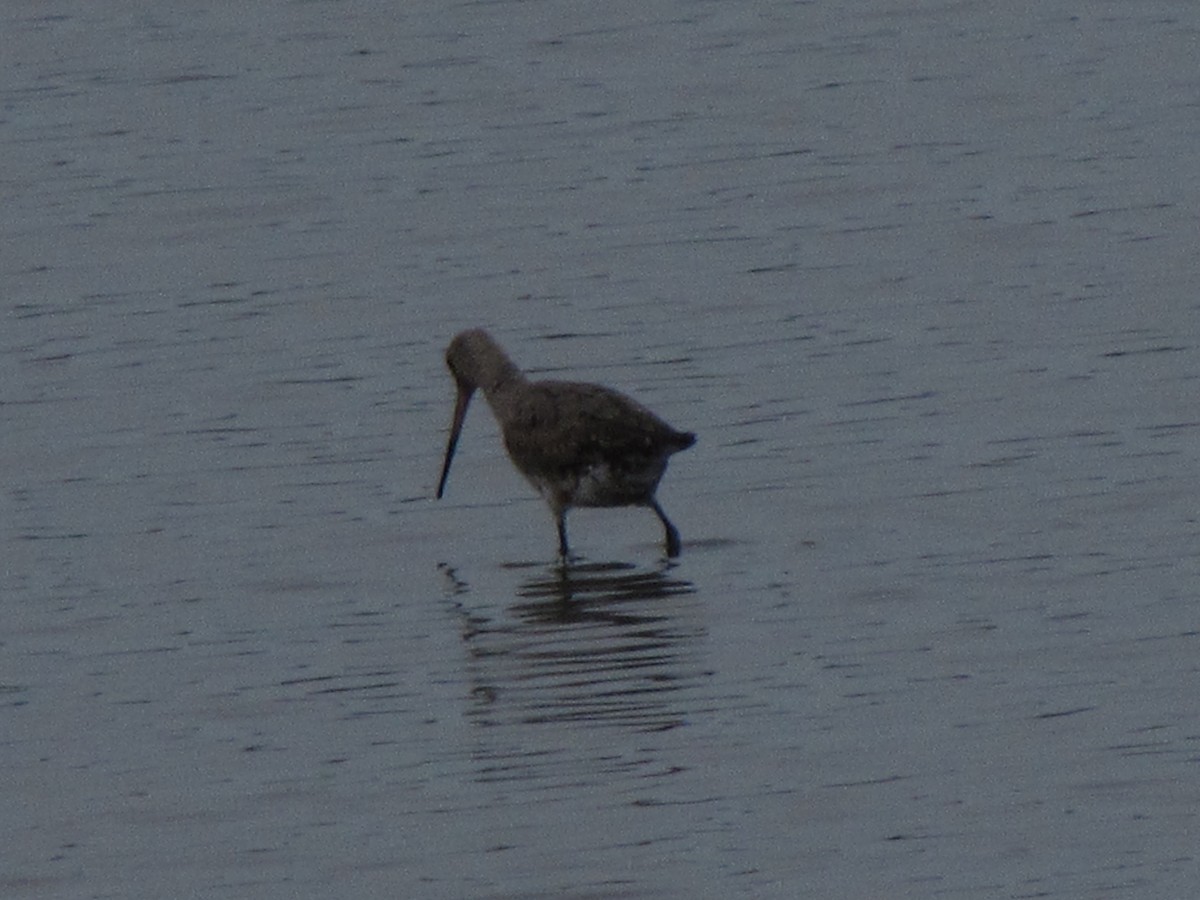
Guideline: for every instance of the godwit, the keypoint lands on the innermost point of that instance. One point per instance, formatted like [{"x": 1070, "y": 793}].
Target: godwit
[{"x": 578, "y": 444}]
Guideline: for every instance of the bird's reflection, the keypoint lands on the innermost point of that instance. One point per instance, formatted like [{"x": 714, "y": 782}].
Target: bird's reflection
[
  {"x": 604, "y": 644},
  {"x": 576, "y": 592}
]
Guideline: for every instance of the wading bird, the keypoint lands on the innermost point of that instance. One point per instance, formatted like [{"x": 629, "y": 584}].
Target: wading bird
[{"x": 578, "y": 444}]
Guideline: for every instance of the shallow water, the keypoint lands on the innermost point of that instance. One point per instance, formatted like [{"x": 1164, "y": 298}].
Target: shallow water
[{"x": 923, "y": 282}]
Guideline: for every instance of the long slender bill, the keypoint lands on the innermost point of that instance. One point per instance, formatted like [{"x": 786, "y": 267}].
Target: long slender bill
[{"x": 460, "y": 412}]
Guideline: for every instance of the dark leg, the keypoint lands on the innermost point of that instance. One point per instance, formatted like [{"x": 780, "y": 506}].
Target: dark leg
[
  {"x": 673, "y": 543},
  {"x": 560, "y": 519}
]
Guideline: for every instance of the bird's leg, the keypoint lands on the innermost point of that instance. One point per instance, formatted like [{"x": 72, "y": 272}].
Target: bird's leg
[
  {"x": 673, "y": 543},
  {"x": 560, "y": 519}
]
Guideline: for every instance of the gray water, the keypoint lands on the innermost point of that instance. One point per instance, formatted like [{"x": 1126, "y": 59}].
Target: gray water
[{"x": 922, "y": 277}]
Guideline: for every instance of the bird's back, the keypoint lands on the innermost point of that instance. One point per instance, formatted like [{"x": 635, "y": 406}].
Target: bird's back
[{"x": 555, "y": 428}]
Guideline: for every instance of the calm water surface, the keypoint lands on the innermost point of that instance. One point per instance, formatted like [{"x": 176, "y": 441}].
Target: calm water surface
[{"x": 924, "y": 282}]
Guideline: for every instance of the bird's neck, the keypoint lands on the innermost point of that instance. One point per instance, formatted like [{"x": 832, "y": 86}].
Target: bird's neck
[{"x": 500, "y": 378}]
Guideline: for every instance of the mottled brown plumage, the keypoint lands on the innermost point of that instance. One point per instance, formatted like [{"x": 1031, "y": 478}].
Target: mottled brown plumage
[{"x": 578, "y": 444}]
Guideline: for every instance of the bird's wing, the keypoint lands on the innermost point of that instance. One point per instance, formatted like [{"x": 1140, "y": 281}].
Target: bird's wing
[{"x": 558, "y": 426}]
